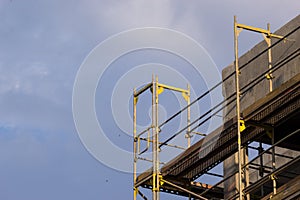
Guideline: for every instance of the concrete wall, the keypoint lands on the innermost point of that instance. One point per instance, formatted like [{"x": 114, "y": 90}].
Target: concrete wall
[{"x": 250, "y": 73}]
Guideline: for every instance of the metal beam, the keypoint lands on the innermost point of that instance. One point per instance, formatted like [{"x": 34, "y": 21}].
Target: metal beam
[
  {"x": 172, "y": 88},
  {"x": 259, "y": 30},
  {"x": 143, "y": 89}
]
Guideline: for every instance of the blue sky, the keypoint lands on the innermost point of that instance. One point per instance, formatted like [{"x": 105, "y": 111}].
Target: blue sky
[{"x": 43, "y": 44}]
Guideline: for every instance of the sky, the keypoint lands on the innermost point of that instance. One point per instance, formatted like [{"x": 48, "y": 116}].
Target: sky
[{"x": 44, "y": 43}]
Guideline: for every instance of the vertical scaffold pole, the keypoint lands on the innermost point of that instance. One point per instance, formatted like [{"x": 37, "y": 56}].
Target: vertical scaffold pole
[
  {"x": 273, "y": 162},
  {"x": 189, "y": 115},
  {"x": 155, "y": 162},
  {"x": 270, "y": 76},
  {"x": 268, "y": 40},
  {"x": 135, "y": 192},
  {"x": 237, "y": 73},
  {"x": 261, "y": 169},
  {"x": 153, "y": 143},
  {"x": 189, "y": 134},
  {"x": 157, "y": 140}
]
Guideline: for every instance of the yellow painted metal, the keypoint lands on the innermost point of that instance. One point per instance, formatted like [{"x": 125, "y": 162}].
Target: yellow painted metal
[
  {"x": 153, "y": 183},
  {"x": 135, "y": 193},
  {"x": 242, "y": 125},
  {"x": 160, "y": 90},
  {"x": 156, "y": 184},
  {"x": 185, "y": 96},
  {"x": 135, "y": 100},
  {"x": 251, "y": 28},
  {"x": 161, "y": 181},
  {"x": 143, "y": 89},
  {"x": 269, "y": 76},
  {"x": 273, "y": 178},
  {"x": 172, "y": 88},
  {"x": 259, "y": 30}
]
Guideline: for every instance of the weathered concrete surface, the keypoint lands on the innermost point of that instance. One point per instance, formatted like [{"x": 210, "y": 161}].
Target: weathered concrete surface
[{"x": 250, "y": 73}]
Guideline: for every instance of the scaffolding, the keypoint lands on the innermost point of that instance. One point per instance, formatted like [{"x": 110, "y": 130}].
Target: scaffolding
[
  {"x": 156, "y": 89},
  {"x": 267, "y": 36},
  {"x": 263, "y": 122}
]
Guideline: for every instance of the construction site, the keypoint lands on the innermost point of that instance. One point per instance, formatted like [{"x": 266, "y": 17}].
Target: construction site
[{"x": 257, "y": 146}]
